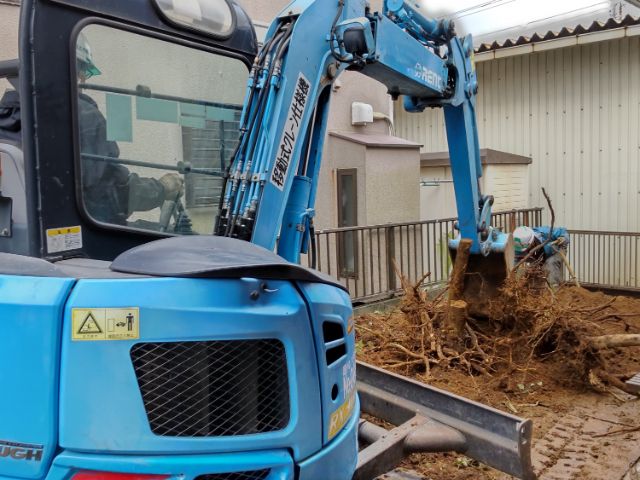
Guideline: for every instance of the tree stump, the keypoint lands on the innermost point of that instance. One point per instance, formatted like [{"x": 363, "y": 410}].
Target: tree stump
[{"x": 457, "y": 308}]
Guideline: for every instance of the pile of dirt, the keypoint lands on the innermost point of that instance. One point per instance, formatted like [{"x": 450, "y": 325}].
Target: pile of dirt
[
  {"x": 529, "y": 327},
  {"x": 537, "y": 354}
]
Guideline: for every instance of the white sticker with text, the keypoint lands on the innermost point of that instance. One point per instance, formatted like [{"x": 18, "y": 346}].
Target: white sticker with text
[{"x": 291, "y": 132}]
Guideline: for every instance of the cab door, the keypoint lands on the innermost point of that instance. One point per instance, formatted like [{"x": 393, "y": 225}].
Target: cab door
[{"x": 160, "y": 80}]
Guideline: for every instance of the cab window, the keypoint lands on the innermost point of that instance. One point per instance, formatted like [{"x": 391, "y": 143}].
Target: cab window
[{"x": 157, "y": 125}]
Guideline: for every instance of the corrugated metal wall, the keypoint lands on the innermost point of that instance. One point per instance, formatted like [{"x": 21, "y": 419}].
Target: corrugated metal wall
[
  {"x": 575, "y": 111},
  {"x": 509, "y": 184}
]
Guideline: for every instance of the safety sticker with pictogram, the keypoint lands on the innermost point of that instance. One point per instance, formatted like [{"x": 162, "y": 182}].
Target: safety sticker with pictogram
[{"x": 93, "y": 324}]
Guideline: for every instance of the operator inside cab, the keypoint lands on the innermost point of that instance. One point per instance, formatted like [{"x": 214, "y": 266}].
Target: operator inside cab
[
  {"x": 157, "y": 124},
  {"x": 10, "y": 124},
  {"x": 111, "y": 192}
]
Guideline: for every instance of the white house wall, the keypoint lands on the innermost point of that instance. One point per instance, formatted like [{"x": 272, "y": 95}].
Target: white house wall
[
  {"x": 437, "y": 198},
  {"x": 575, "y": 112},
  {"x": 509, "y": 184}
]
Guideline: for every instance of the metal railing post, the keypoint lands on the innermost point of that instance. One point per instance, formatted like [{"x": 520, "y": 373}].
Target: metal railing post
[{"x": 390, "y": 244}]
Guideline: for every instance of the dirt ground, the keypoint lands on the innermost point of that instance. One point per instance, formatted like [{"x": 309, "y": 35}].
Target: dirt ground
[{"x": 584, "y": 427}]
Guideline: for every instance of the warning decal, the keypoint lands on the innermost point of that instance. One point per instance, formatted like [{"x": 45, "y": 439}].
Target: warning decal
[
  {"x": 92, "y": 324},
  {"x": 89, "y": 325},
  {"x": 64, "y": 239},
  {"x": 341, "y": 416}
]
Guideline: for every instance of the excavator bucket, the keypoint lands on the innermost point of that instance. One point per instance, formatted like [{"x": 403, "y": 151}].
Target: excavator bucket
[{"x": 485, "y": 274}]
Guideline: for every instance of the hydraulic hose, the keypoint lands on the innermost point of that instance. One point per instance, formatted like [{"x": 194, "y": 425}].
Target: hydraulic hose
[
  {"x": 245, "y": 153},
  {"x": 256, "y": 69}
]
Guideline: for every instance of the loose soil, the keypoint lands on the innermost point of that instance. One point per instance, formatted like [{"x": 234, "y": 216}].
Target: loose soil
[{"x": 531, "y": 356}]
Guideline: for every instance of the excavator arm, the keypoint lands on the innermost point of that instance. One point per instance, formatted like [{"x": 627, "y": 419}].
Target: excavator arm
[
  {"x": 271, "y": 184},
  {"x": 270, "y": 191}
]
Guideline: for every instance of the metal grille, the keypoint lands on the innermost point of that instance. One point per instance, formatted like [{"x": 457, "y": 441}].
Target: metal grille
[
  {"x": 255, "y": 475},
  {"x": 215, "y": 388}
]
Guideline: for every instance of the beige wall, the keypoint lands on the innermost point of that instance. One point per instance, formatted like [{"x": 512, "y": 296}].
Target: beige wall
[
  {"x": 393, "y": 183},
  {"x": 388, "y": 183},
  {"x": 509, "y": 184},
  {"x": 263, "y": 11},
  {"x": 355, "y": 87},
  {"x": 387, "y": 192},
  {"x": 9, "y": 19},
  {"x": 437, "y": 199},
  {"x": 339, "y": 154},
  {"x": 266, "y": 10}
]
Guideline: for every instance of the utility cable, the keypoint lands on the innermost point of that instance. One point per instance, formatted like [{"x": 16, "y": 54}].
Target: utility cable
[{"x": 473, "y": 8}]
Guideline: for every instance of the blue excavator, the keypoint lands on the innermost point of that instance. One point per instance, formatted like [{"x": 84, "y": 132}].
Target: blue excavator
[{"x": 148, "y": 329}]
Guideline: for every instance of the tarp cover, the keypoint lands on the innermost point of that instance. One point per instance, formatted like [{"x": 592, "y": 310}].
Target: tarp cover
[
  {"x": 213, "y": 257},
  {"x": 20, "y": 265}
]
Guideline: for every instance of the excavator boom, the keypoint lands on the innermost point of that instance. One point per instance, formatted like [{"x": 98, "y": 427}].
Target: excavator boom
[{"x": 271, "y": 184}]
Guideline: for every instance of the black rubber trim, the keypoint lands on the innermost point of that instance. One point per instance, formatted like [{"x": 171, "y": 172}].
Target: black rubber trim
[
  {"x": 213, "y": 257},
  {"x": 9, "y": 68}
]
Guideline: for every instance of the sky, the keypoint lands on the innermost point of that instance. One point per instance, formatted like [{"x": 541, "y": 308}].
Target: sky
[{"x": 500, "y": 18}]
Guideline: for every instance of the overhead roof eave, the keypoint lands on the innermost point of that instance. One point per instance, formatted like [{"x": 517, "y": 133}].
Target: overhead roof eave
[{"x": 567, "y": 37}]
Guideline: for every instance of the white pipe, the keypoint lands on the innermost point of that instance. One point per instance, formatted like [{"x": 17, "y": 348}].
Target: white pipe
[{"x": 386, "y": 118}]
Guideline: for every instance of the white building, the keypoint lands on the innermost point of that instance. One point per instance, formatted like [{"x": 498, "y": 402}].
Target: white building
[{"x": 570, "y": 101}]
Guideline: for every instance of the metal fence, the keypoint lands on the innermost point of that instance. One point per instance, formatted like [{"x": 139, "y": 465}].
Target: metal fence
[
  {"x": 364, "y": 259},
  {"x": 606, "y": 259}
]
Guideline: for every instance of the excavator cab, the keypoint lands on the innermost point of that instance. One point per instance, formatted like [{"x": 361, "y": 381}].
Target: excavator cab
[{"x": 113, "y": 99}]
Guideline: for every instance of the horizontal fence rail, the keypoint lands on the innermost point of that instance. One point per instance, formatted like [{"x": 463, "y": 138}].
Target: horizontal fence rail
[
  {"x": 365, "y": 259},
  {"x": 605, "y": 259}
]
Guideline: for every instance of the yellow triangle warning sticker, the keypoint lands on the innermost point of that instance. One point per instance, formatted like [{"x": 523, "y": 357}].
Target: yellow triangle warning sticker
[{"x": 89, "y": 325}]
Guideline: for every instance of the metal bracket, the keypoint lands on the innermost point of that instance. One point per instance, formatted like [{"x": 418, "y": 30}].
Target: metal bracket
[
  {"x": 432, "y": 420},
  {"x": 6, "y": 208}
]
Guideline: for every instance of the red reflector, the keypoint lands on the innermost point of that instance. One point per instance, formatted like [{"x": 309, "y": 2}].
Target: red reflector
[{"x": 88, "y": 475}]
